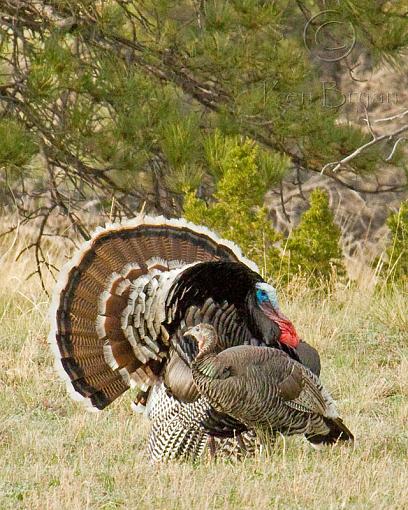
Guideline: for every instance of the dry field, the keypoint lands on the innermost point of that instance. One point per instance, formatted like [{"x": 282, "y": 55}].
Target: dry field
[{"x": 54, "y": 455}]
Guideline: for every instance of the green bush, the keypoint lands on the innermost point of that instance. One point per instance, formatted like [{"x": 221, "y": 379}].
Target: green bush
[
  {"x": 242, "y": 175},
  {"x": 313, "y": 248},
  {"x": 397, "y": 251},
  {"x": 17, "y": 146}
]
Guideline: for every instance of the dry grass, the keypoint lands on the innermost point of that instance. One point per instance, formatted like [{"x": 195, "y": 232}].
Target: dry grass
[{"x": 54, "y": 455}]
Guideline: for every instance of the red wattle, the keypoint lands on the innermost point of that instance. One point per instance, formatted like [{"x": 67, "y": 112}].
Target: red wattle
[{"x": 288, "y": 334}]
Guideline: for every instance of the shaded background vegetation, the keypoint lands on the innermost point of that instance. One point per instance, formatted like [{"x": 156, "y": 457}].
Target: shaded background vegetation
[{"x": 108, "y": 107}]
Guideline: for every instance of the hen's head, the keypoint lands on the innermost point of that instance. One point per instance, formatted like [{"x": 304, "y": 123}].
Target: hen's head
[{"x": 205, "y": 336}]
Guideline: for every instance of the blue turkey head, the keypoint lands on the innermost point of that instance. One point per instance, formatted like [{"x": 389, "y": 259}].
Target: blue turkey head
[{"x": 267, "y": 301}]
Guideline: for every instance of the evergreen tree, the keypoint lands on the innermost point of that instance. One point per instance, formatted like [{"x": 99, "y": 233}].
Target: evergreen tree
[
  {"x": 314, "y": 245},
  {"x": 236, "y": 210}
]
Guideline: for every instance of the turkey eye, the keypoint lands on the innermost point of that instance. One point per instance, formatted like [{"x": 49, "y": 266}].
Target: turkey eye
[{"x": 261, "y": 296}]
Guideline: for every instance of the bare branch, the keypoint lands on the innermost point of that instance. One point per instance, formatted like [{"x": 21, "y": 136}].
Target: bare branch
[
  {"x": 368, "y": 121},
  {"x": 393, "y": 117},
  {"x": 389, "y": 136},
  {"x": 283, "y": 203},
  {"x": 395, "y": 147}
]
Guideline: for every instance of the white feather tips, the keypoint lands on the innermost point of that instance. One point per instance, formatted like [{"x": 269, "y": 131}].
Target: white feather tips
[
  {"x": 109, "y": 357},
  {"x": 138, "y": 408}
]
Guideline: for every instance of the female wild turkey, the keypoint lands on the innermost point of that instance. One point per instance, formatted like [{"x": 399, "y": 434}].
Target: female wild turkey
[
  {"x": 121, "y": 306},
  {"x": 264, "y": 389}
]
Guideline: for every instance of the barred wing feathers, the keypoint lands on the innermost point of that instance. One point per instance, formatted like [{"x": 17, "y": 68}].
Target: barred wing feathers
[{"x": 264, "y": 388}]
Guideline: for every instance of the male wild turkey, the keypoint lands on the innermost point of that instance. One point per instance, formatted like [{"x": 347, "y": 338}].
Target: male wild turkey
[
  {"x": 264, "y": 389},
  {"x": 121, "y": 306}
]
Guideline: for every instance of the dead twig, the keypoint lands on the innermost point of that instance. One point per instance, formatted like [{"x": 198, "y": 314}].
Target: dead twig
[
  {"x": 336, "y": 165},
  {"x": 392, "y": 117}
]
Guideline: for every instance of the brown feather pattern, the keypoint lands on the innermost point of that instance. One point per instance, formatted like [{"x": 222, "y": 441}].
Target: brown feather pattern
[
  {"x": 265, "y": 389},
  {"x": 95, "y": 308}
]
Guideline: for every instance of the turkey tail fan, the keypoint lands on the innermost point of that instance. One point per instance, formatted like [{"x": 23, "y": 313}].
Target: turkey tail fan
[
  {"x": 108, "y": 308},
  {"x": 337, "y": 432}
]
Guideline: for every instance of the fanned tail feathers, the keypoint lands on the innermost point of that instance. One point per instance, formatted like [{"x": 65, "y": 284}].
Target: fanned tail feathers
[{"x": 108, "y": 309}]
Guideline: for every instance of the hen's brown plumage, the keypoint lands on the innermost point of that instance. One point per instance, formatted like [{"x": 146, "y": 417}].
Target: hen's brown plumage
[{"x": 265, "y": 389}]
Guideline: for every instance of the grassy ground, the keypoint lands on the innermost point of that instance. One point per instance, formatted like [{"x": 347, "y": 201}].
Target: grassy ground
[{"x": 54, "y": 455}]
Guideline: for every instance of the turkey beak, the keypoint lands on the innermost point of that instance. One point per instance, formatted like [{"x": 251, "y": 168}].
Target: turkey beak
[
  {"x": 188, "y": 332},
  {"x": 191, "y": 334}
]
